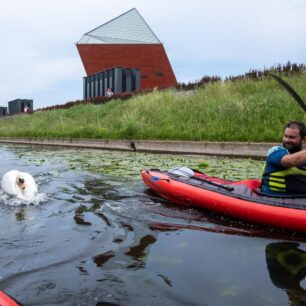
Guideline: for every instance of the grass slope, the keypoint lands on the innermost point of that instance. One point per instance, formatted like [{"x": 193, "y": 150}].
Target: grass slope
[{"x": 243, "y": 110}]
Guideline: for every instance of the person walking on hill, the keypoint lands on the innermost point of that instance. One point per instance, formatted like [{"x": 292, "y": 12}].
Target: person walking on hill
[
  {"x": 109, "y": 92},
  {"x": 26, "y": 109}
]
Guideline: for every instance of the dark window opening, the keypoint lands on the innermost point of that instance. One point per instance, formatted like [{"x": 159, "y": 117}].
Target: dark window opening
[
  {"x": 123, "y": 80},
  {"x": 133, "y": 81}
]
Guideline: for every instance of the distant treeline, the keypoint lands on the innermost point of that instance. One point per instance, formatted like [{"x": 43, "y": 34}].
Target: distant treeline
[
  {"x": 93, "y": 100},
  {"x": 286, "y": 69}
]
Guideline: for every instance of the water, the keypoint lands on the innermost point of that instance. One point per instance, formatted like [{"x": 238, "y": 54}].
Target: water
[{"x": 96, "y": 234}]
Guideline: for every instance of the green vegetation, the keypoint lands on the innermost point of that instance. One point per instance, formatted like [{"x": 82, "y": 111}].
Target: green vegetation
[
  {"x": 240, "y": 110},
  {"x": 128, "y": 164}
]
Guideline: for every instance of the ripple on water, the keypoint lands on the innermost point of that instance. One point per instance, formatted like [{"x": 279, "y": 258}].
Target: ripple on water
[{"x": 9, "y": 200}]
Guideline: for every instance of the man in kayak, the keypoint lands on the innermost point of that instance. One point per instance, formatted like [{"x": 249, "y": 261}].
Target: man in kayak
[{"x": 284, "y": 173}]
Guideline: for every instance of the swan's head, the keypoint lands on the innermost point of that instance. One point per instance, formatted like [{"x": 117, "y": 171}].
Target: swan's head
[{"x": 20, "y": 182}]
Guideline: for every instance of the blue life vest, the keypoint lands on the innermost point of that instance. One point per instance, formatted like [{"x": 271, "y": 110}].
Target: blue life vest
[{"x": 279, "y": 180}]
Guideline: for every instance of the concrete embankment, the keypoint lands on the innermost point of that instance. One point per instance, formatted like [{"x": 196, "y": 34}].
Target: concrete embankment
[{"x": 232, "y": 149}]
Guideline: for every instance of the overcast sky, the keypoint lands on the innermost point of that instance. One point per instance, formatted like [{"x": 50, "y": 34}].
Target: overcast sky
[{"x": 39, "y": 59}]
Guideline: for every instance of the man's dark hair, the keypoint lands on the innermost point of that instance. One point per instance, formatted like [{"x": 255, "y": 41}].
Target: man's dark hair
[{"x": 297, "y": 125}]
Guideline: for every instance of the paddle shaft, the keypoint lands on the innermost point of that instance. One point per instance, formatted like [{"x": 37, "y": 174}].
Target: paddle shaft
[
  {"x": 228, "y": 188},
  {"x": 290, "y": 90},
  {"x": 187, "y": 173}
]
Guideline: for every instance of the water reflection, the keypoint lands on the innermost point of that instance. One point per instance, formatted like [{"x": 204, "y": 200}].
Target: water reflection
[
  {"x": 286, "y": 263},
  {"x": 20, "y": 214},
  {"x": 101, "y": 259},
  {"x": 138, "y": 252}
]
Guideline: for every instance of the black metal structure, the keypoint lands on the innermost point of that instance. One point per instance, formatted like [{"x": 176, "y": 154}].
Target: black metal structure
[
  {"x": 18, "y": 106},
  {"x": 120, "y": 80},
  {"x": 3, "y": 111}
]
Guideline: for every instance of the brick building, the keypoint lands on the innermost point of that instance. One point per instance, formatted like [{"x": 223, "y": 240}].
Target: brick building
[{"x": 127, "y": 41}]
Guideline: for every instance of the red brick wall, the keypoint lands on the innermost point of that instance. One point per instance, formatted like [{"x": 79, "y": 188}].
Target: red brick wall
[{"x": 152, "y": 59}]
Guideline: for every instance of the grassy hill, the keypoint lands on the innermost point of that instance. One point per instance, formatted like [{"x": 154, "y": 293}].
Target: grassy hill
[{"x": 232, "y": 110}]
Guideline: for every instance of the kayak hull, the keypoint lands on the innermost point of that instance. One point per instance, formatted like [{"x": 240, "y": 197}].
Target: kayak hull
[
  {"x": 6, "y": 300},
  {"x": 227, "y": 203}
]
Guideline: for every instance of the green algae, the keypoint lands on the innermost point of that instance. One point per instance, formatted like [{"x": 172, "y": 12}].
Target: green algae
[{"x": 129, "y": 164}]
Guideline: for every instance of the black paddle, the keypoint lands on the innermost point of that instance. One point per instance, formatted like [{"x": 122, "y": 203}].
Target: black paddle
[
  {"x": 290, "y": 90},
  {"x": 190, "y": 175},
  {"x": 228, "y": 188}
]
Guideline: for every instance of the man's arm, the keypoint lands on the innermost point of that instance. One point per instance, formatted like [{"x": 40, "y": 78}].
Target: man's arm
[{"x": 294, "y": 160}]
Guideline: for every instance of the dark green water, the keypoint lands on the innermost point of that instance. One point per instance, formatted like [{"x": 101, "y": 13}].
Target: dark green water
[{"x": 96, "y": 234}]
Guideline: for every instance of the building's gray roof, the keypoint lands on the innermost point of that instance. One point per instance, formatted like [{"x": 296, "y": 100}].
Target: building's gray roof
[{"x": 128, "y": 28}]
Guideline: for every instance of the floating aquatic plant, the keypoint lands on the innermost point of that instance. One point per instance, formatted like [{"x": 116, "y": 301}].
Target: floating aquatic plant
[{"x": 128, "y": 165}]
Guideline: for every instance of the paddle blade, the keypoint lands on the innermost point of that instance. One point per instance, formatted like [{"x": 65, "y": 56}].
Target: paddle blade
[{"x": 290, "y": 90}]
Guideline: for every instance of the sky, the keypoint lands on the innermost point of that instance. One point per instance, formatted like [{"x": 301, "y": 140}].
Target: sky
[{"x": 39, "y": 59}]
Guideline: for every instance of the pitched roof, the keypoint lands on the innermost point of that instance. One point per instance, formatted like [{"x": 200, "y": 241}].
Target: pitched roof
[{"x": 128, "y": 28}]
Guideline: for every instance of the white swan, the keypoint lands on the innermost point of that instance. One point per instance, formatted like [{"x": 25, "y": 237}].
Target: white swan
[{"x": 19, "y": 184}]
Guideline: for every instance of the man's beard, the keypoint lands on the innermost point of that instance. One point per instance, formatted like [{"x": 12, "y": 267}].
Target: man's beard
[{"x": 293, "y": 148}]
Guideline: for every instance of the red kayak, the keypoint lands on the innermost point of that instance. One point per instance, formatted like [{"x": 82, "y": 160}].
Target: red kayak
[
  {"x": 238, "y": 199},
  {"x": 6, "y": 300}
]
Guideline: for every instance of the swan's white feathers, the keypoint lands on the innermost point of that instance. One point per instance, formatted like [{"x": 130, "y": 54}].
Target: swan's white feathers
[{"x": 10, "y": 184}]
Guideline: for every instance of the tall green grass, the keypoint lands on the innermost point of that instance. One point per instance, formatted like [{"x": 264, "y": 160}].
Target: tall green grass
[{"x": 242, "y": 110}]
